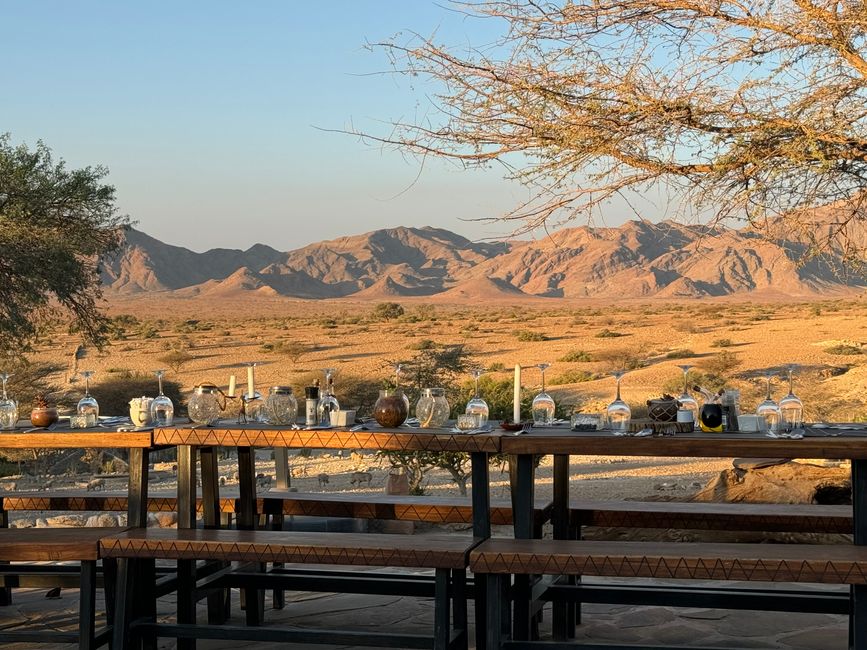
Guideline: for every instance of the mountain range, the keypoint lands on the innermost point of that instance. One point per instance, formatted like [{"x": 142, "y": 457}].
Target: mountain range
[{"x": 639, "y": 259}]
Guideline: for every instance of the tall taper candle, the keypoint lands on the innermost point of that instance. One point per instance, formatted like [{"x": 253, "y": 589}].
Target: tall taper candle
[
  {"x": 231, "y": 385},
  {"x": 251, "y": 381},
  {"x": 516, "y": 405}
]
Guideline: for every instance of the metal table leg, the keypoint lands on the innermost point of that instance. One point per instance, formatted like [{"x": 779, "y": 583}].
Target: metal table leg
[
  {"x": 563, "y": 613},
  {"x": 523, "y": 499},
  {"x": 186, "y": 519},
  {"x": 252, "y": 600},
  {"x": 859, "y": 515},
  {"x": 481, "y": 496}
]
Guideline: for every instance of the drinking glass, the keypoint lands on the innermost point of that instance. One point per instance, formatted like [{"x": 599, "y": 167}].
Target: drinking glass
[
  {"x": 254, "y": 404},
  {"x": 543, "y": 403},
  {"x": 687, "y": 401},
  {"x": 477, "y": 404},
  {"x": 87, "y": 405},
  {"x": 162, "y": 409},
  {"x": 769, "y": 410},
  {"x": 8, "y": 407},
  {"x": 328, "y": 403},
  {"x": 618, "y": 411},
  {"x": 791, "y": 407}
]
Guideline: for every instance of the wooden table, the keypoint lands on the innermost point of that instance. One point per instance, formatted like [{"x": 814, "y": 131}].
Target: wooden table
[
  {"x": 246, "y": 438},
  {"x": 561, "y": 443}
]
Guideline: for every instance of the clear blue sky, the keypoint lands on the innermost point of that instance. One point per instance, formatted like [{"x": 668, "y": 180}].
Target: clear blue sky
[{"x": 205, "y": 113}]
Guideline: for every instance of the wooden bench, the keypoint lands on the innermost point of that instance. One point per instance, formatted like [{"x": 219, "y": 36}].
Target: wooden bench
[
  {"x": 93, "y": 502},
  {"x": 790, "y": 563},
  {"x": 786, "y": 517},
  {"x": 447, "y": 555},
  {"x": 60, "y": 545},
  {"x": 430, "y": 509}
]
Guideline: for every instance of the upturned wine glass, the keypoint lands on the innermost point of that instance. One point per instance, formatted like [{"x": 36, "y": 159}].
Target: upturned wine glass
[
  {"x": 162, "y": 409},
  {"x": 398, "y": 370},
  {"x": 791, "y": 407},
  {"x": 87, "y": 405},
  {"x": 477, "y": 405},
  {"x": 8, "y": 407},
  {"x": 543, "y": 403},
  {"x": 769, "y": 410},
  {"x": 618, "y": 411},
  {"x": 685, "y": 400}
]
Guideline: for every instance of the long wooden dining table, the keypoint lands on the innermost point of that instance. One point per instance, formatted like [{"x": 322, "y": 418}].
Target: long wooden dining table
[{"x": 819, "y": 443}]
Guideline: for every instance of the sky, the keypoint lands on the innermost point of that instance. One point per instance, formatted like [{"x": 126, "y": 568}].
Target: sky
[{"x": 216, "y": 119}]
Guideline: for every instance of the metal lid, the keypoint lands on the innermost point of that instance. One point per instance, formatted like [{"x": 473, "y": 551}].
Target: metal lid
[
  {"x": 281, "y": 390},
  {"x": 202, "y": 389},
  {"x": 433, "y": 392}
]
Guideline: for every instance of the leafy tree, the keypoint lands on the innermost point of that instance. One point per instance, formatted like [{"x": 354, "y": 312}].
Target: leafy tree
[
  {"x": 55, "y": 226},
  {"x": 387, "y": 311},
  {"x": 754, "y": 111}
]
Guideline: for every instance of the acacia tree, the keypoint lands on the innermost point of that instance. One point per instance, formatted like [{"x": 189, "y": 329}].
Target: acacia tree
[
  {"x": 755, "y": 111},
  {"x": 55, "y": 226}
]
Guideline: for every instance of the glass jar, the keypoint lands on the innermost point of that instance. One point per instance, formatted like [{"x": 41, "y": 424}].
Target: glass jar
[
  {"x": 8, "y": 413},
  {"x": 281, "y": 405},
  {"x": 432, "y": 409},
  {"x": 205, "y": 404},
  {"x": 390, "y": 409}
]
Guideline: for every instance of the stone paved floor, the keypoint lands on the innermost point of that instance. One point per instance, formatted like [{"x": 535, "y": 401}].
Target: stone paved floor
[{"x": 602, "y": 623}]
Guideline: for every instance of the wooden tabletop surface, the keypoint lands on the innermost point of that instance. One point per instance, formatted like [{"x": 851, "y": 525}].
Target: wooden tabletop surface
[
  {"x": 816, "y": 444},
  {"x": 75, "y": 439}
]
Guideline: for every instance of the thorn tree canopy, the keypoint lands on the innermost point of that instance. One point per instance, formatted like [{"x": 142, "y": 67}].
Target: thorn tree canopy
[
  {"x": 754, "y": 110},
  {"x": 55, "y": 225}
]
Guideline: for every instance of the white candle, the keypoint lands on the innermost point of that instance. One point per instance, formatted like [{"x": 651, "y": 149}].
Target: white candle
[
  {"x": 231, "y": 385},
  {"x": 251, "y": 381},
  {"x": 516, "y": 408}
]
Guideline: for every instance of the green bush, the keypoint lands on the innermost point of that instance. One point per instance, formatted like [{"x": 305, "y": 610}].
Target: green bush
[
  {"x": 608, "y": 334},
  {"x": 176, "y": 359},
  {"x": 114, "y": 393},
  {"x": 844, "y": 349},
  {"x": 424, "y": 344},
  {"x": 679, "y": 354},
  {"x": 526, "y": 336},
  {"x": 498, "y": 366},
  {"x": 722, "y": 343},
  {"x": 721, "y": 364},
  {"x": 387, "y": 311},
  {"x": 576, "y": 356},
  {"x": 572, "y": 377}
]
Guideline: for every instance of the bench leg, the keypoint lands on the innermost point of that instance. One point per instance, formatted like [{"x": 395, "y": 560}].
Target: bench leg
[
  {"x": 187, "y": 599},
  {"x": 497, "y": 623},
  {"x": 87, "y": 606},
  {"x": 459, "y": 607},
  {"x": 278, "y": 597},
  {"x": 5, "y": 592},
  {"x": 442, "y": 598},
  {"x": 120, "y": 636},
  {"x": 859, "y": 617},
  {"x": 109, "y": 583}
]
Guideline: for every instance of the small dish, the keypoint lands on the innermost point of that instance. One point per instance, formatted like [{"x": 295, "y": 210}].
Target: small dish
[{"x": 512, "y": 426}]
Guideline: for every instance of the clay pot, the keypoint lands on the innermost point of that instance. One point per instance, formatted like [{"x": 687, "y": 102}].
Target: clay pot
[
  {"x": 390, "y": 409},
  {"x": 43, "y": 416},
  {"x": 662, "y": 410}
]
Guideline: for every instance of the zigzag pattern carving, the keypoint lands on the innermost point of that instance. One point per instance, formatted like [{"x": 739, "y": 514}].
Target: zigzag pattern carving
[{"x": 409, "y": 440}]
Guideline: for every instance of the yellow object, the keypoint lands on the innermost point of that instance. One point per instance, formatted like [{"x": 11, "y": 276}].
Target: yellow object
[{"x": 708, "y": 429}]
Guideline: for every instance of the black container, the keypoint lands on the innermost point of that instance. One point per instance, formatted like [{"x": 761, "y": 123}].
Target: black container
[{"x": 710, "y": 418}]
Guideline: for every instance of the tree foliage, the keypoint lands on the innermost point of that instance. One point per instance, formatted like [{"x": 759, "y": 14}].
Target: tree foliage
[
  {"x": 750, "y": 111},
  {"x": 55, "y": 226}
]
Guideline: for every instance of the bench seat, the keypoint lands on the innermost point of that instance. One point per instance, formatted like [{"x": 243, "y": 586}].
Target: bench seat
[
  {"x": 447, "y": 555},
  {"x": 95, "y": 502},
  {"x": 836, "y": 564},
  {"x": 431, "y": 509},
  {"x": 58, "y": 545},
  {"x": 783, "y": 517}
]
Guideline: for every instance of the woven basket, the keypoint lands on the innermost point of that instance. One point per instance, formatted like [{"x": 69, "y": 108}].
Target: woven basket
[
  {"x": 662, "y": 410},
  {"x": 660, "y": 427}
]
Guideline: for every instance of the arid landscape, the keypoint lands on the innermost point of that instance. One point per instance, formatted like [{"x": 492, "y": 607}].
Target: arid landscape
[{"x": 203, "y": 315}]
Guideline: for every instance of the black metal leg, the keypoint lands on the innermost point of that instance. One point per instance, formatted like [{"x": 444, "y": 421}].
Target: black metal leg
[
  {"x": 859, "y": 516},
  {"x": 441, "y": 610},
  {"x": 278, "y": 596},
  {"x": 186, "y": 605},
  {"x": 496, "y": 625},
  {"x": 252, "y": 600},
  {"x": 123, "y": 607},
  {"x": 5, "y": 592},
  {"x": 563, "y": 613},
  {"x": 459, "y": 603},
  {"x": 211, "y": 516},
  {"x": 109, "y": 587},
  {"x": 481, "y": 497},
  {"x": 87, "y": 606},
  {"x": 523, "y": 499}
]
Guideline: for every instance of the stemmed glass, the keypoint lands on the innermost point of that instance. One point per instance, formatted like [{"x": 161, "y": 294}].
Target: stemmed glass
[
  {"x": 687, "y": 401},
  {"x": 254, "y": 405},
  {"x": 543, "y": 403},
  {"x": 769, "y": 410},
  {"x": 8, "y": 407},
  {"x": 87, "y": 405},
  {"x": 162, "y": 409},
  {"x": 327, "y": 401},
  {"x": 398, "y": 369},
  {"x": 791, "y": 407},
  {"x": 478, "y": 406},
  {"x": 618, "y": 411}
]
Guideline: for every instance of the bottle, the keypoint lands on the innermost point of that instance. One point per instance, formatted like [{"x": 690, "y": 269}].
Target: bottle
[
  {"x": 328, "y": 404},
  {"x": 312, "y": 403}
]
